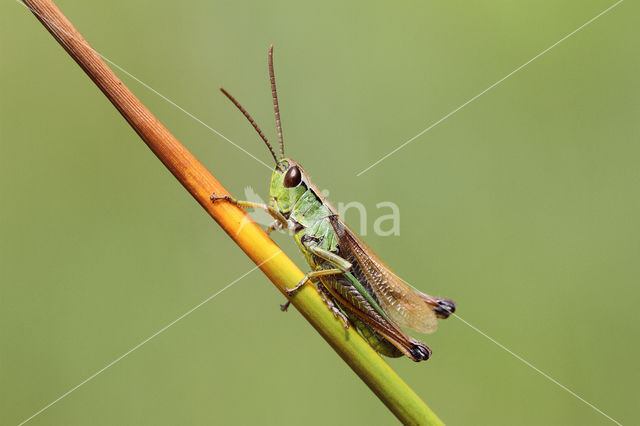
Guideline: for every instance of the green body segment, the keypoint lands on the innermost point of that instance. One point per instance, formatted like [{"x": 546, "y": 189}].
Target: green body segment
[
  {"x": 309, "y": 216},
  {"x": 313, "y": 217},
  {"x": 376, "y": 341}
]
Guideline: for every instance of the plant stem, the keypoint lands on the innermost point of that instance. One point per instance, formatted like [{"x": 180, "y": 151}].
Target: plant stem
[{"x": 200, "y": 183}]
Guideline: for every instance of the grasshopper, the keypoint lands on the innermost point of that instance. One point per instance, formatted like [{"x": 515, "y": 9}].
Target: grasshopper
[{"x": 352, "y": 281}]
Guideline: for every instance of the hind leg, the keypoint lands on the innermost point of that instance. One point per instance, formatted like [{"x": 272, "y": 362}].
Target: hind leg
[
  {"x": 326, "y": 298},
  {"x": 311, "y": 275}
]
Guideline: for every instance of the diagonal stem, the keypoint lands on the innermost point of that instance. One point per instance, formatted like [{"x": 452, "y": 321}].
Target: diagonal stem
[{"x": 200, "y": 183}]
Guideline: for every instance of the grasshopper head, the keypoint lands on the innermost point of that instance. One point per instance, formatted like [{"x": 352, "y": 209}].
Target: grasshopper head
[{"x": 288, "y": 183}]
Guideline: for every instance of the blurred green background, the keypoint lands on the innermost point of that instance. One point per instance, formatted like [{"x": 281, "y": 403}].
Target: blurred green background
[{"x": 523, "y": 207}]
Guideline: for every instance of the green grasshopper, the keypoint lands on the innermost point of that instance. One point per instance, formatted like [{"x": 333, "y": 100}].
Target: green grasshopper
[{"x": 353, "y": 282}]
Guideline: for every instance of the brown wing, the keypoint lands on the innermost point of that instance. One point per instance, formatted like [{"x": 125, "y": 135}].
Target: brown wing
[{"x": 396, "y": 298}]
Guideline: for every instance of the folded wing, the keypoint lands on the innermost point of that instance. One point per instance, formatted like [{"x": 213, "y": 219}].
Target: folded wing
[{"x": 399, "y": 301}]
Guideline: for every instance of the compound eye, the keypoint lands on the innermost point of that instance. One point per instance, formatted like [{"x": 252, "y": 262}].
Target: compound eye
[{"x": 293, "y": 177}]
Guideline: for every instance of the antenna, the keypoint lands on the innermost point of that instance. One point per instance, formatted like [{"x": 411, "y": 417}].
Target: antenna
[
  {"x": 276, "y": 107},
  {"x": 252, "y": 121}
]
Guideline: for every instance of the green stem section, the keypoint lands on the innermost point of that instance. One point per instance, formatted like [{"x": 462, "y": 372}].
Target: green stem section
[{"x": 196, "y": 179}]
